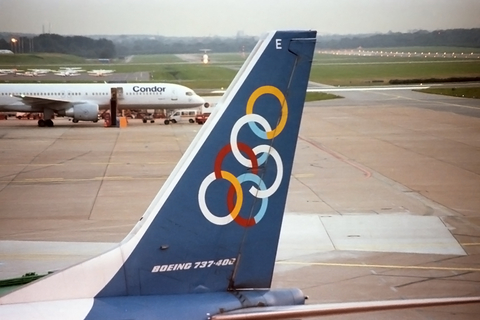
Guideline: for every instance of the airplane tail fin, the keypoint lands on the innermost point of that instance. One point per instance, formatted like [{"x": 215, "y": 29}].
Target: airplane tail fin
[{"x": 214, "y": 225}]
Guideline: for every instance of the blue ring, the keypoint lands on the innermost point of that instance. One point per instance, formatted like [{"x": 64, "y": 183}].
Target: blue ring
[{"x": 256, "y": 179}]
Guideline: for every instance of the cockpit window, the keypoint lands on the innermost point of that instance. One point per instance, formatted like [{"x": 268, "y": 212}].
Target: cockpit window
[{"x": 189, "y": 93}]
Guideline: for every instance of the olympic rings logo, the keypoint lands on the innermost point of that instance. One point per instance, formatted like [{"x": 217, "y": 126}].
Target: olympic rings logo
[{"x": 255, "y": 157}]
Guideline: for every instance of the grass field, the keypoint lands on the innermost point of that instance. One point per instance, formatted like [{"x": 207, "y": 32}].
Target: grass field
[
  {"x": 38, "y": 60},
  {"x": 155, "y": 58},
  {"x": 237, "y": 58},
  {"x": 428, "y": 49},
  {"x": 196, "y": 76},
  {"x": 315, "y": 96},
  {"x": 327, "y": 68},
  {"x": 470, "y": 92},
  {"x": 374, "y": 70}
]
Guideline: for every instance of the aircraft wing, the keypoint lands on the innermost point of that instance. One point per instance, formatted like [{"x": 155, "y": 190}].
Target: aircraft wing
[
  {"x": 364, "y": 88},
  {"x": 315, "y": 310},
  {"x": 41, "y": 101}
]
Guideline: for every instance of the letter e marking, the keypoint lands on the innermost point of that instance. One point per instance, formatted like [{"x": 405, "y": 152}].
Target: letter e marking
[{"x": 278, "y": 44}]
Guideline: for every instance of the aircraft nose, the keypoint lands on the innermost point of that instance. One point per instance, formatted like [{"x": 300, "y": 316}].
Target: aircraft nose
[{"x": 199, "y": 100}]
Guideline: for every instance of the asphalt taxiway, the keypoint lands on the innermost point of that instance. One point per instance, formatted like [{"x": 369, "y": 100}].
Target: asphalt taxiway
[{"x": 383, "y": 203}]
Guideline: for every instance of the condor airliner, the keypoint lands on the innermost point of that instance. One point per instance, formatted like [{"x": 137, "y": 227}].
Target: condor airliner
[
  {"x": 212, "y": 255},
  {"x": 83, "y": 101}
]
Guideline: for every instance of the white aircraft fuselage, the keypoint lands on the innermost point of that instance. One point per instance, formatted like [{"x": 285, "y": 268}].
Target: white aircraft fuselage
[{"x": 83, "y": 101}]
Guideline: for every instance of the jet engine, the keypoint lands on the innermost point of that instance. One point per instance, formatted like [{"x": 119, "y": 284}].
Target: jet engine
[{"x": 81, "y": 111}]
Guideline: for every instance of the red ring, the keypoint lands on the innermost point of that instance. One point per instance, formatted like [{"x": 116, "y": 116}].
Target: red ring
[
  {"x": 238, "y": 219},
  {"x": 225, "y": 150},
  {"x": 231, "y": 191}
]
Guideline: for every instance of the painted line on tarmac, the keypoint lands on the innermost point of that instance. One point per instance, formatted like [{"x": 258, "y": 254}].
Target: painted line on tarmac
[
  {"x": 357, "y": 265},
  {"x": 84, "y": 163},
  {"x": 63, "y": 180},
  {"x": 338, "y": 156},
  {"x": 450, "y": 104},
  {"x": 470, "y": 244}
]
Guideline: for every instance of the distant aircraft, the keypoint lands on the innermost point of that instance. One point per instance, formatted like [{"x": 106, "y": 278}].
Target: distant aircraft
[
  {"x": 9, "y": 71},
  {"x": 77, "y": 69},
  {"x": 33, "y": 73},
  {"x": 209, "y": 255},
  {"x": 100, "y": 72},
  {"x": 68, "y": 71},
  {"x": 41, "y": 70},
  {"x": 205, "y": 58},
  {"x": 83, "y": 101}
]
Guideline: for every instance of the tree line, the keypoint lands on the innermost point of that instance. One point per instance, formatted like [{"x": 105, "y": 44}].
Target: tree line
[
  {"x": 154, "y": 45},
  {"x": 118, "y": 46},
  {"x": 54, "y": 43},
  {"x": 446, "y": 38}
]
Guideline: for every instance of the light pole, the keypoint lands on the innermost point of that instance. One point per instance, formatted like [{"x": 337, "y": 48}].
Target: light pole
[{"x": 14, "y": 43}]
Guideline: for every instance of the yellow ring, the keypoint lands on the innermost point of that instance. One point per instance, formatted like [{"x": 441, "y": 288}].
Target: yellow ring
[
  {"x": 238, "y": 189},
  {"x": 277, "y": 93}
]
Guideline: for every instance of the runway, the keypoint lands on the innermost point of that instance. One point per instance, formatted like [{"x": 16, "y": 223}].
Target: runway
[{"x": 383, "y": 200}]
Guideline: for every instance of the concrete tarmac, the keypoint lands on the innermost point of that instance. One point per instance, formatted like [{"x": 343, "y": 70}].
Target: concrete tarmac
[{"x": 388, "y": 182}]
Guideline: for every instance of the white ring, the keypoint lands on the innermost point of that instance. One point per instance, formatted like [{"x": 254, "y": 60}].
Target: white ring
[{"x": 202, "y": 191}]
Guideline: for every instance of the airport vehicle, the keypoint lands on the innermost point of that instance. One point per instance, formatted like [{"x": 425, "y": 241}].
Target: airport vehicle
[
  {"x": 26, "y": 115},
  {"x": 206, "y": 110},
  {"x": 202, "y": 118},
  {"x": 182, "y": 115},
  {"x": 197, "y": 257},
  {"x": 82, "y": 102}
]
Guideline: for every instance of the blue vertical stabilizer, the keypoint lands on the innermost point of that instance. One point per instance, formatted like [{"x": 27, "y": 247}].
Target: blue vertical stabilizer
[{"x": 215, "y": 224}]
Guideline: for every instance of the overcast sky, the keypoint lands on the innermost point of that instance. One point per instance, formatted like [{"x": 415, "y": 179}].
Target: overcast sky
[{"x": 227, "y": 17}]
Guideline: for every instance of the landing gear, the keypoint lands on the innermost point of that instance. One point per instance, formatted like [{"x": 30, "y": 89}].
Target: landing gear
[
  {"x": 45, "y": 123},
  {"x": 75, "y": 121},
  {"x": 148, "y": 118}
]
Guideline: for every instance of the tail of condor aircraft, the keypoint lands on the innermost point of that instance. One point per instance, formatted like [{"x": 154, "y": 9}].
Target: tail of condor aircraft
[{"x": 209, "y": 255}]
